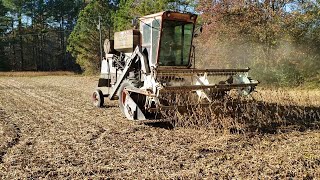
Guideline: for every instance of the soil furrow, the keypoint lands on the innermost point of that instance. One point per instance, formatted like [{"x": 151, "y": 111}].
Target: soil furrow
[
  {"x": 15, "y": 132},
  {"x": 62, "y": 136}
]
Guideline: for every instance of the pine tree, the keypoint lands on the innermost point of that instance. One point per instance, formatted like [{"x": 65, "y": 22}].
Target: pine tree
[
  {"x": 4, "y": 65},
  {"x": 84, "y": 39},
  {"x": 124, "y": 14},
  {"x": 130, "y": 9},
  {"x": 17, "y": 7}
]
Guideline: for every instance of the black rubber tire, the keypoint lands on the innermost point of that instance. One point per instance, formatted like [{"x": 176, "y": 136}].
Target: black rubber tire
[
  {"x": 98, "y": 98},
  {"x": 124, "y": 84}
]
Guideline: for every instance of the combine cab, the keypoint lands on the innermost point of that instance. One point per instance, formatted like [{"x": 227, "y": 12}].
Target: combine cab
[{"x": 146, "y": 70}]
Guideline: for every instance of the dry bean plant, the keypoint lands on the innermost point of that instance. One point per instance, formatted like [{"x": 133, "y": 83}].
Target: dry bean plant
[{"x": 267, "y": 112}]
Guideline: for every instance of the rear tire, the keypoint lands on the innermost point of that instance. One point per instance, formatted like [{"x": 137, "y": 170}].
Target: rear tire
[{"x": 98, "y": 98}]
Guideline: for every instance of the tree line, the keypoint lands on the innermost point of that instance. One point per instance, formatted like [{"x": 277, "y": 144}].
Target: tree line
[
  {"x": 279, "y": 40},
  {"x": 47, "y": 35},
  {"x": 34, "y": 33}
]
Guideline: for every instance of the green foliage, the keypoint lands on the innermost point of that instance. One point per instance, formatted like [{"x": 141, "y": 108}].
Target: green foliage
[
  {"x": 124, "y": 15},
  {"x": 3, "y": 28},
  {"x": 15, "y": 5},
  {"x": 3, "y": 19},
  {"x": 61, "y": 9},
  {"x": 37, "y": 33},
  {"x": 130, "y": 9},
  {"x": 285, "y": 74},
  {"x": 146, "y": 7},
  {"x": 84, "y": 39}
]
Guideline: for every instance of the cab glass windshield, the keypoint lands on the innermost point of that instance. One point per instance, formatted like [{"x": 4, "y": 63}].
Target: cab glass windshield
[{"x": 175, "y": 44}]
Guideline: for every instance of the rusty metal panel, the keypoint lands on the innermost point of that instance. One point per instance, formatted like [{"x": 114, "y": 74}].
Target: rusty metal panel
[
  {"x": 175, "y": 16},
  {"x": 126, "y": 41}
]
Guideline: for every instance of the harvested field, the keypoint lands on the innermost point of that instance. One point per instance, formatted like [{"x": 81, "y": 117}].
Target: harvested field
[
  {"x": 35, "y": 73},
  {"x": 49, "y": 129}
]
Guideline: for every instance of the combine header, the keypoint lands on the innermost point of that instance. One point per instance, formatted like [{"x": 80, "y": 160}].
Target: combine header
[{"x": 149, "y": 69}]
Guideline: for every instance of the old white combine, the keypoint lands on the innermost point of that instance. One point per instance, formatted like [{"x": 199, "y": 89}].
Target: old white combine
[{"x": 143, "y": 67}]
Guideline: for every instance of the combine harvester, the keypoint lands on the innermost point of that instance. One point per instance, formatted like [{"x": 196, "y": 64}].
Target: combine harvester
[{"x": 149, "y": 69}]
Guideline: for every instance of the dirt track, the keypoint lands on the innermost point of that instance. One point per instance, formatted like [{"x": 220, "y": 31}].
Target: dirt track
[{"x": 48, "y": 128}]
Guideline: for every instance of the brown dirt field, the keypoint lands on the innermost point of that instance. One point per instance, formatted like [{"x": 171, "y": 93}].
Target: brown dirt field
[
  {"x": 49, "y": 129},
  {"x": 35, "y": 73}
]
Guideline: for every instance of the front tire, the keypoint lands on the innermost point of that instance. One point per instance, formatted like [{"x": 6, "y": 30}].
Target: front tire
[
  {"x": 98, "y": 98},
  {"x": 122, "y": 94}
]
